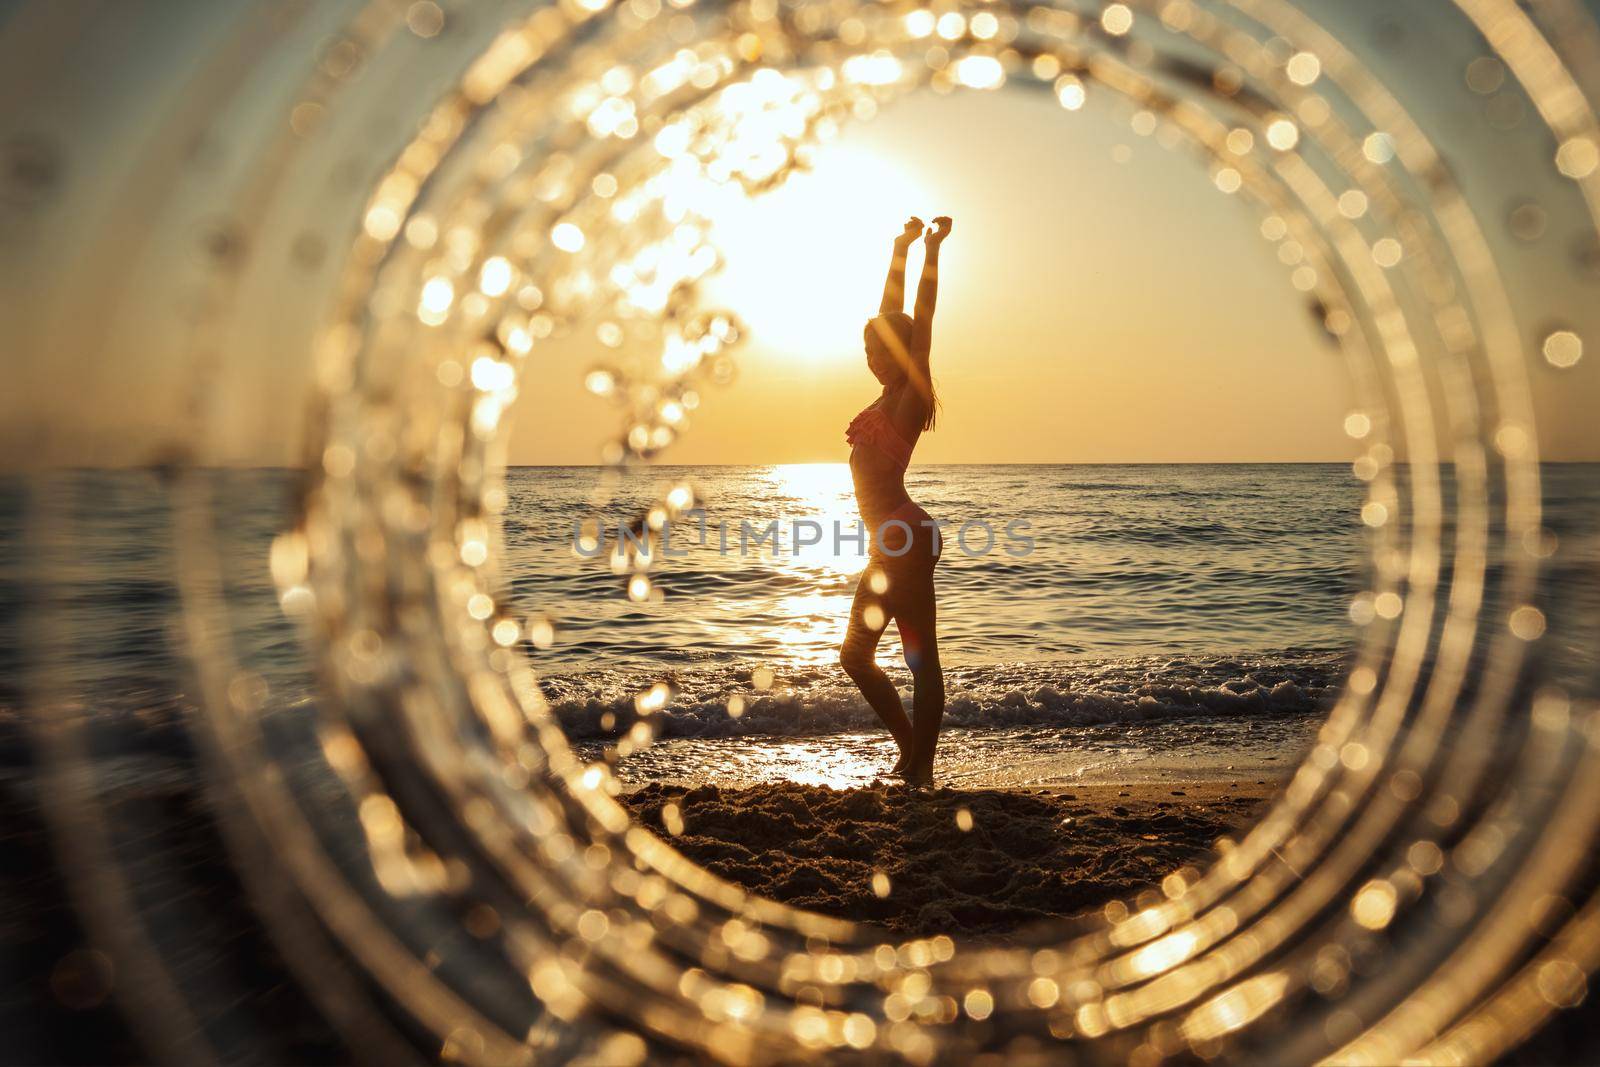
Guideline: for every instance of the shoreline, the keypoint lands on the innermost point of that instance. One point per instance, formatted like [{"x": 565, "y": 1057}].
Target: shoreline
[{"x": 1256, "y": 753}]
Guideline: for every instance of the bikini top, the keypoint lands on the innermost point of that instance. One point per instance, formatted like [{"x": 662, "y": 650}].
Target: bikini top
[{"x": 873, "y": 427}]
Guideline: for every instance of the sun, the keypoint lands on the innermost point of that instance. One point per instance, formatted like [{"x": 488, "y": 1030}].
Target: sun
[{"x": 805, "y": 263}]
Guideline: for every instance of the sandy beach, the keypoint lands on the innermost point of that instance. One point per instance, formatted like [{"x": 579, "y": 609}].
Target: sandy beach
[{"x": 980, "y": 863}]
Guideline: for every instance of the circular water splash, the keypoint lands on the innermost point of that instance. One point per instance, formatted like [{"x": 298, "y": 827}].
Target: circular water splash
[{"x": 1419, "y": 889}]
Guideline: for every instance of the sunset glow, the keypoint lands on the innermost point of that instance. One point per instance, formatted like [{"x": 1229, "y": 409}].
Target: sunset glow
[{"x": 804, "y": 262}]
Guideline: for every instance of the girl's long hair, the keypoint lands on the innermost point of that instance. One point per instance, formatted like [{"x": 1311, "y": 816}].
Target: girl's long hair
[{"x": 893, "y": 331}]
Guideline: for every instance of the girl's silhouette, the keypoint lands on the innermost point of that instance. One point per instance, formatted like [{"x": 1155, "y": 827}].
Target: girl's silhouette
[{"x": 898, "y": 581}]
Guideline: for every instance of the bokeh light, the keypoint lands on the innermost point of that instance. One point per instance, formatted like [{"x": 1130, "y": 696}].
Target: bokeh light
[{"x": 467, "y": 873}]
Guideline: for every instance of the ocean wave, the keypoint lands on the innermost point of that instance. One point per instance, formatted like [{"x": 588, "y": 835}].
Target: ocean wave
[{"x": 719, "y": 700}]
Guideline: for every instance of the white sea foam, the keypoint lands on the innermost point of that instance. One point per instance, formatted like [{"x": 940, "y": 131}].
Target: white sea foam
[{"x": 819, "y": 700}]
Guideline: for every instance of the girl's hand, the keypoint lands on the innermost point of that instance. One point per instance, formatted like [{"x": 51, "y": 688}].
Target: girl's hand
[
  {"x": 941, "y": 230},
  {"x": 912, "y": 231}
]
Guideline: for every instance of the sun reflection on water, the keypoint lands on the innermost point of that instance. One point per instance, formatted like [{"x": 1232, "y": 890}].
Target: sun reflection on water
[
  {"x": 823, "y": 488},
  {"x": 810, "y": 763},
  {"x": 824, "y": 494},
  {"x": 813, "y": 625},
  {"x": 837, "y": 761}
]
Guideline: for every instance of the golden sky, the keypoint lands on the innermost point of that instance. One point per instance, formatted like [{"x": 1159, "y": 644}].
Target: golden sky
[{"x": 1100, "y": 301}]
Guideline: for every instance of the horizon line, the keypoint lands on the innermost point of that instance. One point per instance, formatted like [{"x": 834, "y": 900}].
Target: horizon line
[{"x": 25, "y": 471}]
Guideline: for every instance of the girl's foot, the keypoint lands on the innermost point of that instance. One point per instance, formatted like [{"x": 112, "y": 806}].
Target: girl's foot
[
  {"x": 918, "y": 777},
  {"x": 900, "y": 764}
]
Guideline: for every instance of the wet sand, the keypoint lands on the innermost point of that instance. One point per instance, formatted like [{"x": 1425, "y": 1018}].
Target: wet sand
[{"x": 1025, "y": 855}]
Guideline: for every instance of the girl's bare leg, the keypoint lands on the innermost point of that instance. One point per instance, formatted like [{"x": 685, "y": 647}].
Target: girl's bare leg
[
  {"x": 856, "y": 656},
  {"x": 917, "y": 615}
]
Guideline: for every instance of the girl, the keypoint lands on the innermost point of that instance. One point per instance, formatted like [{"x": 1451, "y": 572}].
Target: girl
[{"x": 898, "y": 581}]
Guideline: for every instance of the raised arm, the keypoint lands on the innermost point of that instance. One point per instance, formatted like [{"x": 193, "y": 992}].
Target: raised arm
[
  {"x": 928, "y": 291},
  {"x": 894, "y": 289}
]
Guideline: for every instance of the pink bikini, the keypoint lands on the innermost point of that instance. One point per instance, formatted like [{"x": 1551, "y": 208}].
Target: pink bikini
[{"x": 873, "y": 427}]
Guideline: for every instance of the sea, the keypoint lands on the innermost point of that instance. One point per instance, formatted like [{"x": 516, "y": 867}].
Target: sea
[{"x": 1095, "y": 623}]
